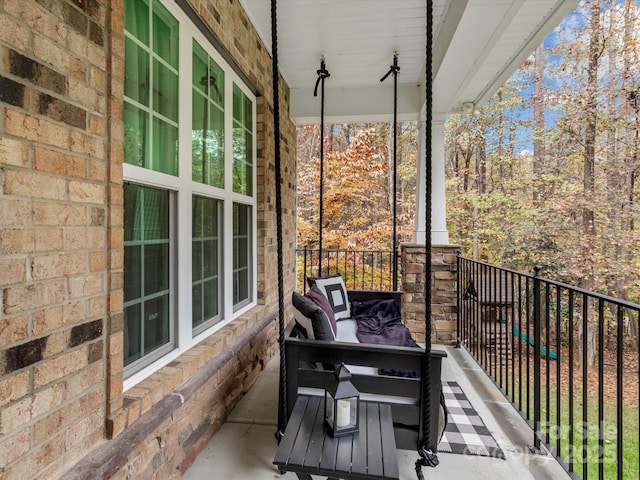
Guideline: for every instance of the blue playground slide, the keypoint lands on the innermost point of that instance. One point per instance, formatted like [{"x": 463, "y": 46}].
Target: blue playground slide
[{"x": 526, "y": 338}]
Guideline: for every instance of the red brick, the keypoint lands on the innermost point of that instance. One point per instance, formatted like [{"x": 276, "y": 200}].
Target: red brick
[
  {"x": 31, "y": 296},
  {"x": 83, "y": 238},
  {"x": 13, "y": 330},
  {"x": 12, "y": 152},
  {"x": 14, "y": 386},
  {"x": 59, "y": 214},
  {"x": 12, "y": 271},
  {"x": 84, "y": 427},
  {"x": 14, "y": 212},
  {"x": 46, "y": 454},
  {"x": 36, "y": 129},
  {"x": 59, "y": 367},
  {"x": 84, "y": 192},
  {"x": 35, "y": 185},
  {"x": 62, "y": 163},
  {"x": 48, "y": 240},
  {"x": 14, "y": 447},
  {"x": 58, "y": 265},
  {"x": 86, "y": 285},
  {"x": 17, "y": 240}
]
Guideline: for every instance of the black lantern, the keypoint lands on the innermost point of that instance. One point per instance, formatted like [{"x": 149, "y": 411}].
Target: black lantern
[{"x": 341, "y": 404}]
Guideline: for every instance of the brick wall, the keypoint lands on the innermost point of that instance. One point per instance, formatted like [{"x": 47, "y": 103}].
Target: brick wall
[
  {"x": 61, "y": 253},
  {"x": 53, "y": 233},
  {"x": 443, "y": 291}
]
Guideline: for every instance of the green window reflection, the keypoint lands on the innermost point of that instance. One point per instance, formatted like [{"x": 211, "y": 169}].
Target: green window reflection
[
  {"x": 151, "y": 86},
  {"x": 242, "y": 143},
  {"x": 207, "y": 127}
]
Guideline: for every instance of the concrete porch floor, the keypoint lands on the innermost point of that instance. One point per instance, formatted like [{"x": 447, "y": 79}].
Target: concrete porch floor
[{"x": 244, "y": 448}]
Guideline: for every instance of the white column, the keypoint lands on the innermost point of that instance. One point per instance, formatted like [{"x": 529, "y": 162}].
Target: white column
[{"x": 439, "y": 232}]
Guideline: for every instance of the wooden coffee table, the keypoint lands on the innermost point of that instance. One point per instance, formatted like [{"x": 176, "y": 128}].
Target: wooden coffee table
[{"x": 306, "y": 449}]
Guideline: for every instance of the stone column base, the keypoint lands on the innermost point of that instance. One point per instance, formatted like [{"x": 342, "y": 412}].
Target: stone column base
[{"x": 443, "y": 291}]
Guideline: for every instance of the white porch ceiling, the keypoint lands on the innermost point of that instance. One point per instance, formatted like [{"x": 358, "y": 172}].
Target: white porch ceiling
[{"x": 478, "y": 44}]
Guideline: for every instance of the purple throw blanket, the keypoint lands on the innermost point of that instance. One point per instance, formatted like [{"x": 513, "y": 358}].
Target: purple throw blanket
[{"x": 380, "y": 322}]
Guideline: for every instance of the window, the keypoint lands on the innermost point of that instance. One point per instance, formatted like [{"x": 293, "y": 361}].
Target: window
[
  {"x": 242, "y": 143},
  {"x": 189, "y": 176},
  {"x": 151, "y": 86},
  {"x": 205, "y": 262},
  {"x": 207, "y": 125},
  {"x": 147, "y": 272},
  {"x": 241, "y": 254}
]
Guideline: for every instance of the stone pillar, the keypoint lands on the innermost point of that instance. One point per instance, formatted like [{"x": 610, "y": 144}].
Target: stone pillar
[{"x": 443, "y": 291}]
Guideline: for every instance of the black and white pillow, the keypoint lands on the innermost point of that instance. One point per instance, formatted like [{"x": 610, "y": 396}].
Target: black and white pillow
[
  {"x": 334, "y": 289},
  {"x": 312, "y": 318}
]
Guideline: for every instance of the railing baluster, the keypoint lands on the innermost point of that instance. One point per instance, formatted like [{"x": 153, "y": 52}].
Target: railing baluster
[
  {"x": 528, "y": 345},
  {"x": 536, "y": 359},
  {"x": 517, "y": 339},
  {"x": 558, "y": 376},
  {"x": 585, "y": 382},
  {"x": 547, "y": 314},
  {"x": 571, "y": 359},
  {"x": 620, "y": 390},
  {"x": 601, "y": 389}
]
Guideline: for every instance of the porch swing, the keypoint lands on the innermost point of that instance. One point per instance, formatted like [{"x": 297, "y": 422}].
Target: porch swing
[{"x": 403, "y": 404}]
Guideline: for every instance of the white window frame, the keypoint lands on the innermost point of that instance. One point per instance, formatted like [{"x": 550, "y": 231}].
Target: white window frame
[{"x": 183, "y": 187}]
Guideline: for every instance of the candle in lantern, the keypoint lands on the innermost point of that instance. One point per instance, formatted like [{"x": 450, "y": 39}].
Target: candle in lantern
[{"x": 344, "y": 413}]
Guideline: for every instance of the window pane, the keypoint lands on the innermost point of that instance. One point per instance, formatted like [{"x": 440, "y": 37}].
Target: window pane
[
  {"x": 132, "y": 272},
  {"x": 165, "y": 34},
  {"x": 200, "y": 67},
  {"x": 207, "y": 136},
  {"x": 136, "y": 19},
  {"x": 135, "y": 135},
  {"x": 242, "y": 143},
  {"x": 165, "y": 147},
  {"x": 241, "y": 254},
  {"x": 136, "y": 72},
  {"x": 156, "y": 214},
  {"x": 210, "y": 304},
  {"x": 132, "y": 334},
  {"x": 146, "y": 270},
  {"x": 151, "y": 80},
  {"x": 156, "y": 325},
  {"x": 165, "y": 91},
  {"x": 196, "y": 261},
  {"x": 205, "y": 293},
  {"x": 156, "y": 268},
  {"x": 197, "y": 318}
]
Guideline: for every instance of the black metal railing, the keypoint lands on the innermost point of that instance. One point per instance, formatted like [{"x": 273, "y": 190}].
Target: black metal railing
[
  {"x": 360, "y": 269},
  {"x": 564, "y": 358}
]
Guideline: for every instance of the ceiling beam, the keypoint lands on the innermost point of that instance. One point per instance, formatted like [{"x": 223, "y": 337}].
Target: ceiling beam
[{"x": 356, "y": 104}]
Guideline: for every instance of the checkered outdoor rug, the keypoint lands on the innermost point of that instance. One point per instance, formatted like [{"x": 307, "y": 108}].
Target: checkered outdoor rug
[{"x": 466, "y": 433}]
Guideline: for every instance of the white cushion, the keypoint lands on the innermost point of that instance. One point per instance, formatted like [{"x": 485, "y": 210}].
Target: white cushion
[{"x": 347, "y": 331}]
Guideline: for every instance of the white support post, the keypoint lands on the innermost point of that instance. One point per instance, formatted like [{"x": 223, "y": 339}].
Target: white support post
[{"x": 439, "y": 232}]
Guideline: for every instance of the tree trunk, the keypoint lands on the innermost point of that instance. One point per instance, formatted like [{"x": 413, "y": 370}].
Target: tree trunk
[
  {"x": 538, "y": 123},
  {"x": 481, "y": 165},
  {"x": 590, "y": 115}
]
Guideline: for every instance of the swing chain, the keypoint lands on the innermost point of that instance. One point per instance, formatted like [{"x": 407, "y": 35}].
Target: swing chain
[{"x": 428, "y": 458}]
